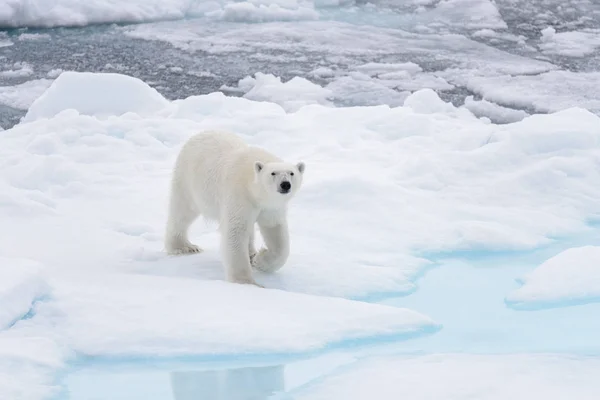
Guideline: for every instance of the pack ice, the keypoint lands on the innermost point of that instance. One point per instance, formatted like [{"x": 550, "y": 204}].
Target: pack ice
[{"x": 85, "y": 180}]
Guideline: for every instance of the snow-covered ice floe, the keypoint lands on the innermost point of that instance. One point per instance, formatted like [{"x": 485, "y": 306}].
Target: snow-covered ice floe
[
  {"x": 84, "y": 185},
  {"x": 570, "y": 44},
  {"x": 21, "y": 96},
  {"x": 21, "y": 284},
  {"x": 547, "y": 92},
  {"x": 461, "y": 376},
  {"x": 44, "y": 13},
  {"x": 471, "y": 14},
  {"x": 571, "y": 277}
]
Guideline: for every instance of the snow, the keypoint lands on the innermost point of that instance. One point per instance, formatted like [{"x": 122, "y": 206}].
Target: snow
[
  {"x": 569, "y": 278},
  {"x": 461, "y": 376},
  {"x": 570, "y": 44},
  {"x": 84, "y": 187},
  {"x": 23, "y": 95},
  {"x": 142, "y": 316},
  {"x": 113, "y": 94},
  {"x": 546, "y": 92},
  {"x": 20, "y": 285},
  {"x": 27, "y": 366}
]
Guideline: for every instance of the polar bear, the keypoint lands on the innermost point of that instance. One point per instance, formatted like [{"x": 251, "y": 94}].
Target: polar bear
[{"x": 217, "y": 175}]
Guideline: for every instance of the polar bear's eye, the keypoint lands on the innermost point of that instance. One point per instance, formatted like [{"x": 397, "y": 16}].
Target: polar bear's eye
[
  {"x": 273, "y": 173},
  {"x": 291, "y": 173}
]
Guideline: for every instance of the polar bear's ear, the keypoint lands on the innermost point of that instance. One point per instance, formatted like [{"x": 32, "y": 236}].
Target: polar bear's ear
[
  {"x": 258, "y": 166},
  {"x": 301, "y": 166}
]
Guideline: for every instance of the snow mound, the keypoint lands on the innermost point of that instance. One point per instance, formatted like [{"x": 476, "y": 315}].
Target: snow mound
[
  {"x": 482, "y": 377},
  {"x": 20, "y": 285},
  {"x": 571, "y": 277},
  {"x": 143, "y": 316},
  {"x": 96, "y": 94},
  {"x": 291, "y": 95},
  {"x": 426, "y": 101}
]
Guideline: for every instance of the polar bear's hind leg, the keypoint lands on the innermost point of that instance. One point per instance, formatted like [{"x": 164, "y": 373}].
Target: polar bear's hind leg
[{"x": 182, "y": 214}]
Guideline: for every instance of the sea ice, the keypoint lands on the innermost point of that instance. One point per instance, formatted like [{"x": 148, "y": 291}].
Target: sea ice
[
  {"x": 84, "y": 187},
  {"x": 344, "y": 43},
  {"x": 461, "y": 377},
  {"x": 28, "y": 365},
  {"x": 571, "y": 44},
  {"x": 21, "y": 70},
  {"x": 23, "y": 95},
  {"x": 114, "y": 94},
  {"x": 248, "y": 11},
  {"x": 547, "y": 92},
  {"x": 496, "y": 113},
  {"x": 20, "y": 285},
  {"x": 570, "y": 277},
  {"x": 43, "y": 13},
  {"x": 291, "y": 95},
  {"x": 452, "y": 181},
  {"x": 131, "y": 315}
]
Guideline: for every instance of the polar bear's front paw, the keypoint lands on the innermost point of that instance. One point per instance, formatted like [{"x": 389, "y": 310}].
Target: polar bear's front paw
[{"x": 265, "y": 262}]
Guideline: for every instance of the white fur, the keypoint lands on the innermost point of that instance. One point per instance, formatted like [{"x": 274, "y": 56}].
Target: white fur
[{"x": 218, "y": 176}]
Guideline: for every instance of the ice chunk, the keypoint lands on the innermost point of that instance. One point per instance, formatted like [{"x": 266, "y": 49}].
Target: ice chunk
[
  {"x": 547, "y": 92},
  {"x": 126, "y": 315},
  {"x": 497, "y": 114},
  {"x": 426, "y": 101},
  {"x": 571, "y": 277},
  {"x": 96, "y": 94},
  {"x": 483, "y": 377},
  {"x": 571, "y": 44},
  {"x": 291, "y": 95},
  {"x": 468, "y": 13},
  {"x": 365, "y": 91},
  {"x": 33, "y": 36},
  {"x": 23, "y": 95},
  {"x": 373, "y": 68},
  {"x": 20, "y": 285},
  {"x": 247, "y": 11},
  {"x": 21, "y": 70}
]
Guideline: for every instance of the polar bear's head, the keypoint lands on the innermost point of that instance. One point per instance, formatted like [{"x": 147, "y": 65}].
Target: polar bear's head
[{"x": 279, "y": 181}]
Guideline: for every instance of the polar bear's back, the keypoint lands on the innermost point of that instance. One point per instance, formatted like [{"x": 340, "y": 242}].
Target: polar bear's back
[
  {"x": 213, "y": 166},
  {"x": 199, "y": 169}
]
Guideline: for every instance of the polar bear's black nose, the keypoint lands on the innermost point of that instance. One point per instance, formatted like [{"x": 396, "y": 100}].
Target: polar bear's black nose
[{"x": 285, "y": 186}]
